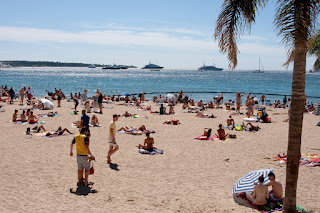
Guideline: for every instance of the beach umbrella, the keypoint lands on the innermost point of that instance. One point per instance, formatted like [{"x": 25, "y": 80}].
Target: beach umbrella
[
  {"x": 48, "y": 104},
  {"x": 246, "y": 183},
  {"x": 171, "y": 97},
  {"x": 125, "y": 94}
]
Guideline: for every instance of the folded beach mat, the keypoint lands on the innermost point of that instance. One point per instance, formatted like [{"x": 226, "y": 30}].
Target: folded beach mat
[
  {"x": 155, "y": 151},
  {"x": 250, "y": 119},
  {"x": 204, "y": 137}
]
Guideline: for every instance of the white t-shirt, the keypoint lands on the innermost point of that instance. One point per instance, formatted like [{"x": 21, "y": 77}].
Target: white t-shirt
[{"x": 113, "y": 126}]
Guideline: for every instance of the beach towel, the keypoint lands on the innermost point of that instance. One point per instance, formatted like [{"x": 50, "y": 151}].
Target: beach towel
[
  {"x": 45, "y": 116},
  {"x": 204, "y": 137},
  {"x": 271, "y": 206},
  {"x": 155, "y": 151}
]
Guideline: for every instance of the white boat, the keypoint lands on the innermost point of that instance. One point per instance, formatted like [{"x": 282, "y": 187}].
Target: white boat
[
  {"x": 259, "y": 70},
  {"x": 152, "y": 67}
]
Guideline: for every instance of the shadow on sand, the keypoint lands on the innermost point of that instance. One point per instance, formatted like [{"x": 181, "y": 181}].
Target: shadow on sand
[
  {"x": 114, "y": 166},
  {"x": 83, "y": 190}
]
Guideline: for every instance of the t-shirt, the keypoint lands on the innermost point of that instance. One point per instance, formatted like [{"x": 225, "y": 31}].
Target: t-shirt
[
  {"x": 85, "y": 118},
  {"x": 100, "y": 98},
  {"x": 113, "y": 126},
  {"x": 81, "y": 141}
]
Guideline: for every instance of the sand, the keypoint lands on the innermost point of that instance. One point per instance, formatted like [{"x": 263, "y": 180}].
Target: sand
[{"x": 191, "y": 176}]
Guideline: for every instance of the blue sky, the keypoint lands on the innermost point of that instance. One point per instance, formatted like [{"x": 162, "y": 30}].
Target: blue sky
[{"x": 177, "y": 34}]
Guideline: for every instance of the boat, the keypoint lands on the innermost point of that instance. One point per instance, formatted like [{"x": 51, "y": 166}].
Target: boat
[
  {"x": 111, "y": 67},
  {"x": 152, "y": 67},
  {"x": 259, "y": 70},
  {"x": 91, "y": 66},
  {"x": 209, "y": 68}
]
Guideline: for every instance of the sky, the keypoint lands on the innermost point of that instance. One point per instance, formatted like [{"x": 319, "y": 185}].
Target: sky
[{"x": 176, "y": 34}]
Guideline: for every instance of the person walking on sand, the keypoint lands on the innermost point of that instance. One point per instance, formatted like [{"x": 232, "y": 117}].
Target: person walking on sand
[
  {"x": 82, "y": 145},
  {"x": 238, "y": 102},
  {"x": 262, "y": 98},
  {"x": 85, "y": 119},
  {"x": 113, "y": 146},
  {"x": 21, "y": 94}
]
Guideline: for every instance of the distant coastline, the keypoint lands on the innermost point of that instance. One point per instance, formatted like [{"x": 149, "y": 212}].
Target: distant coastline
[{"x": 45, "y": 64}]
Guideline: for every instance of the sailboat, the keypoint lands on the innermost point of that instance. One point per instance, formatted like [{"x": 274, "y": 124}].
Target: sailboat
[{"x": 259, "y": 70}]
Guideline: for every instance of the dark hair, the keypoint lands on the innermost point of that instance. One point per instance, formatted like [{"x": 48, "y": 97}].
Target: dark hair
[
  {"x": 148, "y": 133},
  {"x": 271, "y": 174},
  {"x": 261, "y": 178},
  {"x": 84, "y": 129},
  {"x": 229, "y": 116},
  {"x": 115, "y": 115},
  {"x": 209, "y": 133},
  {"x": 220, "y": 126}
]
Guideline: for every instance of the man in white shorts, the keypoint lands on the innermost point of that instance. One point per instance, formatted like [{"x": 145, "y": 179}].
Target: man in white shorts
[{"x": 113, "y": 146}]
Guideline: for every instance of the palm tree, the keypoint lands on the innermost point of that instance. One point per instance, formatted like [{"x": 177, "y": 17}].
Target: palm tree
[
  {"x": 294, "y": 20},
  {"x": 314, "y": 49}
]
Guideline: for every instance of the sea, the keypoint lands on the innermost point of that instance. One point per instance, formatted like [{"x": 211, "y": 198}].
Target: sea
[{"x": 198, "y": 85}]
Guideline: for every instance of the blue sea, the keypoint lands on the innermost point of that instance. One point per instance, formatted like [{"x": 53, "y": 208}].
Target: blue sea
[{"x": 198, "y": 85}]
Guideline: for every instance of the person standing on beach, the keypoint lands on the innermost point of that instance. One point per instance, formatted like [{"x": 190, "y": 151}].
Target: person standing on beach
[
  {"x": 29, "y": 93},
  {"x": 284, "y": 101},
  {"x": 262, "y": 98},
  {"x": 11, "y": 93},
  {"x": 100, "y": 99},
  {"x": 238, "y": 102},
  {"x": 82, "y": 145},
  {"x": 85, "y": 119},
  {"x": 21, "y": 94},
  {"x": 113, "y": 146}
]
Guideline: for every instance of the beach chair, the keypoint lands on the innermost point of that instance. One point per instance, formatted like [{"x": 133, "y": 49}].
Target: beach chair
[{"x": 268, "y": 103}]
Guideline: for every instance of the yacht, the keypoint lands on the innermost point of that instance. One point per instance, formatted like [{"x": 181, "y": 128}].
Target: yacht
[
  {"x": 91, "y": 66},
  {"x": 209, "y": 68},
  {"x": 111, "y": 67},
  {"x": 259, "y": 70},
  {"x": 152, "y": 67}
]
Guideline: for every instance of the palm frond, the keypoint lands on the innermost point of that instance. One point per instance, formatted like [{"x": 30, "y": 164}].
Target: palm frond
[
  {"x": 295, "y": 20},
  {"x": 235, "y": 18}
]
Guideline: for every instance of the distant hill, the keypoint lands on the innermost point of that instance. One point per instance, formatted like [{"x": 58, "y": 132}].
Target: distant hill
[{"x": 45, "y": 64}]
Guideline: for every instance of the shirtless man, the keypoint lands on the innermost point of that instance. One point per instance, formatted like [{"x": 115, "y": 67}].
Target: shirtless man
[
  {"x": 21, "y": 94},
  {"x": 23, "y": 116},
  {"x": 260, "y": 193},
  {"x": 221, "y": 133},
  {"x": 252, "y": 127},
  {"x": 148, "y": 143},
  {"x": 276, "y": 192},
  {"x": 113, "y": 146}
]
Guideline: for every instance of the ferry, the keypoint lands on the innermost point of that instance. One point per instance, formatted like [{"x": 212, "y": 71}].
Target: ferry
[
  {"x": 209, "y": 68},
  {"x": 152, "y": 67}
]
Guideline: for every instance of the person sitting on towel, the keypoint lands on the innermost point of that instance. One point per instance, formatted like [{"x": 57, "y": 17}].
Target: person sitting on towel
[
  {"x": 32, "y": 119},
  {"x": 221, "y": 133},
  {"x": 94, "y": 120},
  {"x": 230, "y": 123},
  {"x": 260, "y": 193},
  {"x": 148, "y": 143},
  {"x": 207, "y": 132},
  {"x": 276, "y": 192}
]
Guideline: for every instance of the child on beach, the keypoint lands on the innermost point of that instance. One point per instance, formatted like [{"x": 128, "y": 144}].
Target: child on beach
[
  {"x": 82, "y": 145},
  {"x": 14, "y": 116}
]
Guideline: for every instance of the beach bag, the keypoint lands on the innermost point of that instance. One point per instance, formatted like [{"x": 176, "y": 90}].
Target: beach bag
[
  {"x": 268, "y": 120},
  {"x": 238, "y": 128},
  {"x": 91, "y": 169}
]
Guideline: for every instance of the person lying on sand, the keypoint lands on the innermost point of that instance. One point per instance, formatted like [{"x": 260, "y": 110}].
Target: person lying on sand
[
  {"x": 59, "y": 131},
  {"x": 207, "y": 132},
  {"x": 148, "y": 143},
  {"x": 276, "y": 192},
  {"x": 251, "y": 127},
  {"x": 170, "y": 121},
  {"x": 221, "y": 133},
  {"x": 260, "y": 193},
  {"x": 126, "y": 114}
]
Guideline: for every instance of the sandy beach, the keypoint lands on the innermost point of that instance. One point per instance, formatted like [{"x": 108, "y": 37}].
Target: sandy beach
[{"x": 191, "y": 176}]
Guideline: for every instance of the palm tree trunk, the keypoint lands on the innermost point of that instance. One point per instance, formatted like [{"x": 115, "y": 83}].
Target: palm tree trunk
[{"x": 295, "y": 126}]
